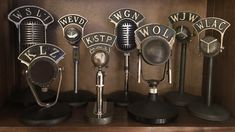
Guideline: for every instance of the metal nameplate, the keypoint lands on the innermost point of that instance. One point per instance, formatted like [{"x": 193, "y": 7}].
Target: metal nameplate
[
  {"x": 155, "y": 30},
  {"x": 121, "y": 14},
  {"x": 41, "y": 50},
  {"x": 30, "y": 11},
  {"x": 212, "y": 23},
  {"x": 99, "y": 41},
  {"x": 72, "y": 19},
  {"x": 184, "y": 16}
]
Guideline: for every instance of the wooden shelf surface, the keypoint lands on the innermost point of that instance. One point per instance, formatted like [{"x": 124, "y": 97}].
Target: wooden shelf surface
[{"x": 9, "y": 121}]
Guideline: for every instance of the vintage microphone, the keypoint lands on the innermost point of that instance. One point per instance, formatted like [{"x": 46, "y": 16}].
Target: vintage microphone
[
  {"x": 31, "y": 30},
  {"x": 210, "y": 46},
  {"x": 42, "y": 70},
  {"x": 183, "y": 37},
  {"x": 155, "y": 42},
  {"x": 99, "y": 44},
  {"x": 73, "y": 31},
  {"x": 125, "y": 27}
]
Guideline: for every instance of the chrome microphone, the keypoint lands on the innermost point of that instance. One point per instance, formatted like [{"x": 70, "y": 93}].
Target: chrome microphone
[
  {"x": 32, "y": 22},
  {"x": 73, "y": 35},
  {"x": 125, "y": 26},
  {"x": 125, "y": 35},
  {"x": 73, "y": 26},
  {"x": 99, "y": 44},
  {"x": 32, "y": 31}
]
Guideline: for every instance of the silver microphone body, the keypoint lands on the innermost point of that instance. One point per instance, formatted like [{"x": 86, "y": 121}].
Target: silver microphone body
[{"x": 31, "y": 31}]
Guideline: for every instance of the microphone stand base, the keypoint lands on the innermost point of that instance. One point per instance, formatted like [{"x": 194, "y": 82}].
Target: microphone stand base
[
  {"x": 177, "y": 99},
  {"x": 121, "y": 99},
  {"x": 152, "y": 111},
  {"x": 24, "y": 97},
  {"x": 41, "y": 116},
  {"x": 77, "y": 99},
  {"x": 103, "y": 119},
  {"x": 211, "y": 113}
]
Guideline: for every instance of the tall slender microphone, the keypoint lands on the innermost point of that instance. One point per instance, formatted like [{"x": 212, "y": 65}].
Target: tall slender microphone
[
  {"x": 210, "y": 46},
  {"x": 125, "y": 26},
  {"x": 126, "y": 43},
  {"x": 99, "y": 44},
  {"x": 73, "y": 35}
]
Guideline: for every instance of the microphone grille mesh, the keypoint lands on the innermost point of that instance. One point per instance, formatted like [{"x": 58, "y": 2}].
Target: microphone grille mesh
[{"x": 125, "y": 35}]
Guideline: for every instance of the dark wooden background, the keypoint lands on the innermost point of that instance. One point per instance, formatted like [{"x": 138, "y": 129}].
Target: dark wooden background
[{"x": 224, "y": 69}]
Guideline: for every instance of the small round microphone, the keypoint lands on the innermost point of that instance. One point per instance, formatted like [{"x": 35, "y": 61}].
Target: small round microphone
[
  {"x": 183, "y": 34},
  {"x": 32, "y": 31},
  {"x": 73, "y": 35},
  {"x": 100, "y": 58},
  {"x": 155, "y": 51},
  {"x": 210, "y": 46},
  {"x": 125, "y": 35}
]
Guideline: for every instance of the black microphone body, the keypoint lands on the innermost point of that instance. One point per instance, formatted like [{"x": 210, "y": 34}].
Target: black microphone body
[
  {"x": 125, "y": 35},
  {"x": 125, "y": 32}
]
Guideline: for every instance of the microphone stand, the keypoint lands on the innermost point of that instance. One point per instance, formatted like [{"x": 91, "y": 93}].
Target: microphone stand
[
  {"x": 208, "y": 110},
  {"x": 126, "y": 69},
  {"x": 76, "y": 97},
  {"x": 153, "y": 109},
  {"x": 38, "y": 114},
  {"x": 76, "y": 69},
  {"x": 99, "y": 112},
  {"x": 181, "y": 98},
  {"x": 123, "y": 98}
]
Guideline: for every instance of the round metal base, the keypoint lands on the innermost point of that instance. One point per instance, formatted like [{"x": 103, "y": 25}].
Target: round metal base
[
  {"x": 40, "y": 116},
  {"x": 103, "y": 119},
  {"x": 120, "y": 98},
  {"x": 152, "y": 111},
  {"x": 24, "y": 97},
  {"x": 212, "y": 113},
  {"x": 178, "y": 99},
  {"x": 76, "y": 100}
]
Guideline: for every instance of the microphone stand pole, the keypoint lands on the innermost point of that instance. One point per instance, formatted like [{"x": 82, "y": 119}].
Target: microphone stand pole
[
  {"x": 126, "y": 69},
  {"x": 181, "y": 98},
  {"x": 208, "y": 110},
  {"x": 76, "y": 69},
  {"x": 99, "y": 112}
]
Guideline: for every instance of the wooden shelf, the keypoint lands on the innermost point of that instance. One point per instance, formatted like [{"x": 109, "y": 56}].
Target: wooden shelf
[{"x": 9, "y": 121}]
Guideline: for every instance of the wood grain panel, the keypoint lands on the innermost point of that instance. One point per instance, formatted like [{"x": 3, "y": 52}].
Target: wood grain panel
[
  {"x": 6, "y": 54},
  {"x": 224, "y": 69}
]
